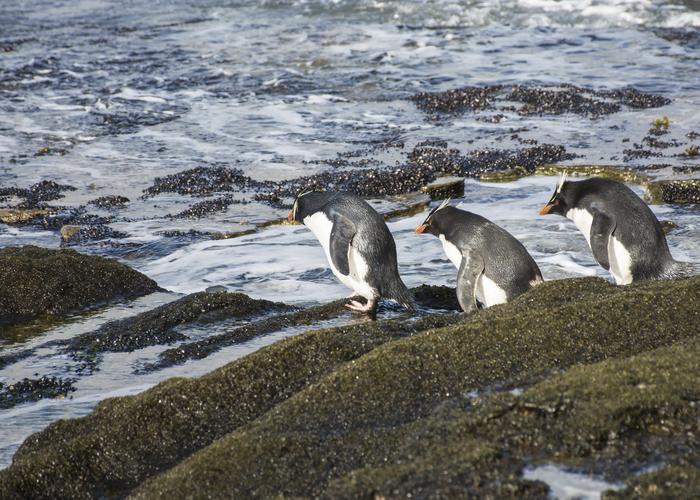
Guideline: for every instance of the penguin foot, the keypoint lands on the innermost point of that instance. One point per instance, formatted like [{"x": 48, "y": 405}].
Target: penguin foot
[{"x": 369, "y": 307}]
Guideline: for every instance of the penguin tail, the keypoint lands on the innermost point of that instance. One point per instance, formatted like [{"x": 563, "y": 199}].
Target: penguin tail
[
  {"x": 397, "y": 291},
  {"x": 679, "y": 269}
]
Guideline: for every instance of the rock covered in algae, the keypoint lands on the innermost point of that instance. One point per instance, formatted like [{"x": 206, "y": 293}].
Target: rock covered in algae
[
  {"x": 34, "y": 390},
  {"x": 158, "y": 325},
  {"x": 20, "y": 215},
  {"x": 44, "y": 282},
  {"x": 674, "y": 191},
  {"x": 606, "y": 378}
]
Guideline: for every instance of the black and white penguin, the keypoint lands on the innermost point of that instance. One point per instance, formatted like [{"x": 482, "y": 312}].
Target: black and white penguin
[
  {"x": 493, "y": 266},
  {"x": 621, "y": 230},
  {"x": 359, "y": 247}
]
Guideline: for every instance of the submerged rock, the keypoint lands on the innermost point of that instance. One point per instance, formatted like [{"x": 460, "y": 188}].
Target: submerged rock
[
  {"x": 206, "y": 207},
  {"x": 42, "y": 282},
  {"x": 110, "y": 201},
  {"x": 689, "y": 37},
  {"x": 607, "y": 380},
  {"x": 428, "y": 161},
  {"x": 58, "y": 218},
  {"x": 200, "y": 181},
  {"x": 433, "y": 297},
  {"x": 77, "y": 235},
  {"x": 38, "y": 193},
  {"x": 33, "y": 390},
  {"x": 157, "y": 326},
  {"x": 536, "y": 99}
]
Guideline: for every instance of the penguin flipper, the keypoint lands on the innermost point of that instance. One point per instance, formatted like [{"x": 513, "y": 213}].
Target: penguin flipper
[
  {"x": 341, "y": 236},
  {"x": 602, "y": 229},
  {"x": 470, "y": 269}
]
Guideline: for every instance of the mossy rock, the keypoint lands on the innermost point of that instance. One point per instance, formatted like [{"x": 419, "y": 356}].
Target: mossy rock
[
  {"x": 614, "y": 172},
  {"x": 21, "y": 215},
  {"x": 389, "y": 407},
  {"x": 670, "y": 482},
  {"x": 157, "y": 325},
  {"x": 39, "y": 282},
  {"x": 684, "y": 191}
]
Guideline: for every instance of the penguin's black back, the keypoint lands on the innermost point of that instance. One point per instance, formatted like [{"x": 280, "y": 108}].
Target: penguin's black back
[
  {"x": 506, "y": 261},
  {"x": 636, "y": 226}
]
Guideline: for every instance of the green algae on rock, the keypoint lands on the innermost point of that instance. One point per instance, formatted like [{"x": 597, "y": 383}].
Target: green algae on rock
[
  {"x": 617, "y": 173},
  {"x": 157, "y": 325},
  {"x": 21, "y": 215},
  {"x": 34, "y": 390},
  {"x": 42, "y": 282},
  {"x": 674, "y": 191},
  {"x": 668, "y": 482},
  {"x": 536, "y": 100},
  {"x": 433, "y": 297},
  {"x": 389, "y": 407},
  {"x": 129, "y": 439}
]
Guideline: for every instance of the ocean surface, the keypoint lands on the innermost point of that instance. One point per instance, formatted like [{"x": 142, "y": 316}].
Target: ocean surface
[{"x": 108, "y": 96}]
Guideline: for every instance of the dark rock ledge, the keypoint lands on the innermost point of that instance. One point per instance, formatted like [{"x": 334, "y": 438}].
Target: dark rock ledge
[
  {"x": 39, "y": 282},
  {"x": 607, "y": 378}
]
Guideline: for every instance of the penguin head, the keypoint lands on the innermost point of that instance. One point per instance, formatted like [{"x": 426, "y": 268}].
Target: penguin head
[
  {"x": 307, "y": 203},
  {"x": 562, "y": 199},
  {"x": 433, "y": 222}
]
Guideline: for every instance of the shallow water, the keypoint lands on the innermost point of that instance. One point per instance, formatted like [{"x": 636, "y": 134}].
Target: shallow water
[{"x": 122, "y": 94}]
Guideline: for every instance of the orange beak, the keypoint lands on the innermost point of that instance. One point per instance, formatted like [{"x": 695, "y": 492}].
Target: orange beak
[
  {"x": 547, "y": 208},
  {"x": 421, "y": 229},
  {"x": 290, "y": 217}
]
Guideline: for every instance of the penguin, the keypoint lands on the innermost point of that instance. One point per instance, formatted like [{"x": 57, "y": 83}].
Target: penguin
[
  {"x": 359, "y": 247},
  {"x": 493, "y": 266},
  {"x": 621, "y": 230}
]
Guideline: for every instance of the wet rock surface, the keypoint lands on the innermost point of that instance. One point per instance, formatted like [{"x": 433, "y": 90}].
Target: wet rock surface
[
  {"x": 425, "y": 164},
  {"x": 689, "y": 37},
  {"x": 204, "y": 208},
  {"x": 606, "y": 379},
  {"x": 41, "y": 282},
  {"x": 201, "y": 181},
  {"x": 76, "y": 235},
  {"x": 33, "y": 390},
  {"x": 58, "y": 217},
  {"x": 158, "y": 326},
  {"x": 21, "y": 215},
  {"x": 161, "y": 326},
  {"x": 433, "y": 297},
  {"x": 536, "y": 99},
  {"x": 35, "y": 195},
  {"x": 674, "y": 191},
  {"x": 111, "y": 201}
]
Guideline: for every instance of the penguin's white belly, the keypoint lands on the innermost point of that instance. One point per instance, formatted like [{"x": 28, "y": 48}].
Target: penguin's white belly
[
  {"x": 620, "y": 262},
  {"x": 321, "y": 226},
  {"x": 583, "y": 220},
  {"x": 451, "y": 251},
  {"x": 618, "y": 257},
  {"x": 488, "y": 293}
]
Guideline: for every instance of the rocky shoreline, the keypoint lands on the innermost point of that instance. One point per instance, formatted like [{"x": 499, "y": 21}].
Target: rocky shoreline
[
  {"x": 390, "y": 167},
  {"x": 578, "y": 373}
]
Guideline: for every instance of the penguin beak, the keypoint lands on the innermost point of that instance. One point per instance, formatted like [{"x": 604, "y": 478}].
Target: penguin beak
[
  {"x": 548, "y": 207},
  {"x": 421, "y": 229}
]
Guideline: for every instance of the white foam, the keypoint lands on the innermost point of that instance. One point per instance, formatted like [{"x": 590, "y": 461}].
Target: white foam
[{"x": 569, "y": 485}]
